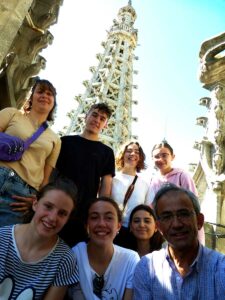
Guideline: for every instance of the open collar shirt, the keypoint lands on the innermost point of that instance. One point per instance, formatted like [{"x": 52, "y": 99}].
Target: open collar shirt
[{"x": 156, "y": 277}]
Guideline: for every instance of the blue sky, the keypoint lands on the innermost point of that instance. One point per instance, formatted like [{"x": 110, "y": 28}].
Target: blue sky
[{"x": 170, "y": 36}]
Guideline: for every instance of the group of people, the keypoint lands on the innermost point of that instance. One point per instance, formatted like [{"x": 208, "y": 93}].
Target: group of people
[{"x": 73, "y": 228}]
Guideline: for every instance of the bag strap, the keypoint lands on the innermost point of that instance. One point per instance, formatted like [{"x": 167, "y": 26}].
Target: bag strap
[
  {"x": 129, "y": 192},
  {"x": 180, "y": 183},
  {"x": 37, "y": 133}
]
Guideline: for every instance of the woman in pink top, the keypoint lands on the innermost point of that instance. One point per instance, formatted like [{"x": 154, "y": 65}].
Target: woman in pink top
[{"x": 163, "y": 155}]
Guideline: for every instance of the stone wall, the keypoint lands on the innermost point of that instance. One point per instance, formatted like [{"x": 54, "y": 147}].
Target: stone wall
[{"x": 24, "y": 33}]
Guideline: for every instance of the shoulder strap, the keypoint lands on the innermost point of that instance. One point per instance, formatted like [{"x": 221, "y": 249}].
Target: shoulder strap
[
  {"x": 129, "y": 191},
  {"x": 180, "y": 183},
  {"x": 37, "y": 133}
]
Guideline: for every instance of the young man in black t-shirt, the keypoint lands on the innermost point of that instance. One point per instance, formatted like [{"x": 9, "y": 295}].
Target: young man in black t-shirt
[{"x": 90, "y": 164}]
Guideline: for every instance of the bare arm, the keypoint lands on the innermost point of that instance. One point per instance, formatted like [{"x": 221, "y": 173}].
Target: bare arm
[
  {"x": 105, "y": 186},
  {"x": 128, "y": 294},
  {"x": 55, "y": 293}
]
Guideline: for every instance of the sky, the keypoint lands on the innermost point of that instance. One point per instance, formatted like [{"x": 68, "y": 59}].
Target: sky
[{"x": 170, "y": 34}]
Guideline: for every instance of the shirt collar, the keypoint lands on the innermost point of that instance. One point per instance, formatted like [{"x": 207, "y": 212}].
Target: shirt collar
[
  {"x": 198, "y": 258},
  {"x": 196, "y": 263}
]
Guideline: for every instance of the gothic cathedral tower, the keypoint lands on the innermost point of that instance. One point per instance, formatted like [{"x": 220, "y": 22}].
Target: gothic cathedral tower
[{"x": 112, "y": 81}]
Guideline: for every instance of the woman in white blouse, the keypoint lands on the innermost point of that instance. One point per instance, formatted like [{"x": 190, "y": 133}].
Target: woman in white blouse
[{"x": 129, "y": 161}]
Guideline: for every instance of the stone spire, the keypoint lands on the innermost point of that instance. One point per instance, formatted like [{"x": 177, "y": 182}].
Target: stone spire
[{"x": 112, "y": 81}]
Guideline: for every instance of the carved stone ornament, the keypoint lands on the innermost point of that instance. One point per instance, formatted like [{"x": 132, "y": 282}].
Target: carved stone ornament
[
  {"x": 218, "y": 162},
  {"x": 212, "y": 64}
]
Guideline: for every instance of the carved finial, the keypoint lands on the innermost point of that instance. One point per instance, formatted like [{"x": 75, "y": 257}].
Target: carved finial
[{"x": 130, "y": 2}]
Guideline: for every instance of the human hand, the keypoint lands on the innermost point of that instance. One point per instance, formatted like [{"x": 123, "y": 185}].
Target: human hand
[{"x": 23, "y": 204}]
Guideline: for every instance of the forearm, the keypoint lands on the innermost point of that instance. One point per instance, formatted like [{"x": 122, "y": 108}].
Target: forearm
[
  {"x": 105, "y": 186},
  {"x": 55, "y": 293}
]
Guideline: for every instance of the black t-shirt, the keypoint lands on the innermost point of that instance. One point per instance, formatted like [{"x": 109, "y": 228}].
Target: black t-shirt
[{"x": 85, "y": 162}]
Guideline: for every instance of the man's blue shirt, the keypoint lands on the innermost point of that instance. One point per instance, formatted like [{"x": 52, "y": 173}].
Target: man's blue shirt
[{"x": 156, "y": 277}]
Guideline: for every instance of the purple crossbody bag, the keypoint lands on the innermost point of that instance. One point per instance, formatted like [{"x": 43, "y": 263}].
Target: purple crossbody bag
[{"x": 13, "y": 147}]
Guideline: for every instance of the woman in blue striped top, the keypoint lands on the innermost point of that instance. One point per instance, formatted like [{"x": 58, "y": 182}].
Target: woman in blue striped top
[{"x": 34, "y": 262}]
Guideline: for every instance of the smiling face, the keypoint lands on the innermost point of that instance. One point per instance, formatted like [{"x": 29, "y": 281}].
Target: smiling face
[
  {"x": 143, "y": 225},
  {"x": 52, "y": 212},
  {"x": 43, "y": 99},
  {"x": 95, "y": 121},
  {"x": 180, "y": 232},
  {"x": 162, "y": 158},
  {"x": 102, "y": 223},
  {"x": 131, "y": 156}
]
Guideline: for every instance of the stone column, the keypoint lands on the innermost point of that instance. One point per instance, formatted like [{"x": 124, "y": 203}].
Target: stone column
[{"x": 12, "y": 14}]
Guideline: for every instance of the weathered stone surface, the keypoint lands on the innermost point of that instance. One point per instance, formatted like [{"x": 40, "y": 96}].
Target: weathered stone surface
[
  {"x": 23, "y": 33},
  {"x": 212, "y": 61},
  {"x": 209, "y": 176},
  {"x": 12, "y": 14}
]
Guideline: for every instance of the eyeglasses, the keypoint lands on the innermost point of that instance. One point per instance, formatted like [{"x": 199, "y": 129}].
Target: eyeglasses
[
  {"x": 98, "y": 284},
  {"x": 161, "y": 155},
  {"x": 181, "y": 215}
]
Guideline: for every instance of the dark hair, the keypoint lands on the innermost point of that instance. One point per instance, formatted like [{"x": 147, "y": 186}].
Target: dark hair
[
  {"x": 168, "y": 187},
  {"x": 156, "y": 240},
  {"x": 102, "y": 107},
  {"x": 62, "y": 184},
  {"x": 103, "y": 199},
  {"x": 120, "y": 156},
  {"x": 46, "y": 85},
  {"x": 163, "y": 144}
]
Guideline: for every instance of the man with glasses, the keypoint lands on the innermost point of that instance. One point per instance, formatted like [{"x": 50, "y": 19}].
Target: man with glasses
[{"x": 184, "y": 269}]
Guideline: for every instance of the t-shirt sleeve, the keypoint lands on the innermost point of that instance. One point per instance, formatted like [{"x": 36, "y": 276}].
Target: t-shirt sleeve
[
  {"x": 149, "y": 196},
  {"x": 68, "y": 270},
  {"x": 134, "y": 259},
  {"x": 52, "y": 158},
  {"x": 62, "y": 155},
  {"x": 5, "y": 116},
  {"x": 109, "y": 167}
]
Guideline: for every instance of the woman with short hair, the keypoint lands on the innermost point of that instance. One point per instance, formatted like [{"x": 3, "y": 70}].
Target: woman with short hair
[{"x": 21, "y": 179}]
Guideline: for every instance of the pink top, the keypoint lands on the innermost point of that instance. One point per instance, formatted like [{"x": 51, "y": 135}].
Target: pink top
[
  {"x": 181, "y": 179},
  {"x": 176, "y": 176}
]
